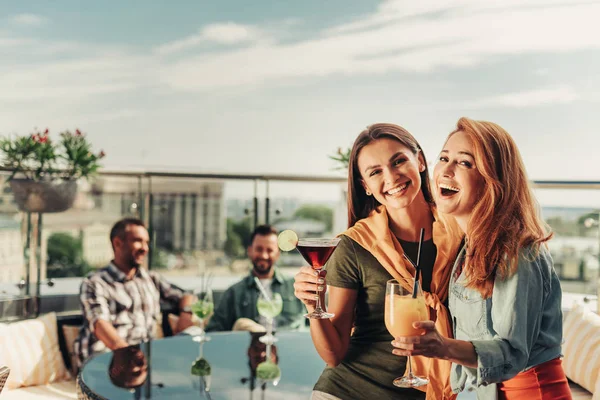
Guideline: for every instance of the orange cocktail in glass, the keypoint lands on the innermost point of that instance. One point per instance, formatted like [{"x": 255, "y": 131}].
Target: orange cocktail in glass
[{"x": 401, "y": 310}]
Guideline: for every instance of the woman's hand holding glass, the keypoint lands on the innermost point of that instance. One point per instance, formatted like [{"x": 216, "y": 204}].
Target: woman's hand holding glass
[
  {"x": 430, "y": 344},
  {"x": 307, "y": 283}
]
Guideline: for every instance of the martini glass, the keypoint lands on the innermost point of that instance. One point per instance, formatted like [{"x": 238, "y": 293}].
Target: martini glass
[{"x": 316, "y": 252}]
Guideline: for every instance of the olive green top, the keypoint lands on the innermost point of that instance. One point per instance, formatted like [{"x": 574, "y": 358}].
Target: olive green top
[{"x": 369, "y": 367}]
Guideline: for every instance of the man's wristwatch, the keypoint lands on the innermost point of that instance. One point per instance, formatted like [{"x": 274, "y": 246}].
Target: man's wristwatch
[{"x": 186, "y": 309}]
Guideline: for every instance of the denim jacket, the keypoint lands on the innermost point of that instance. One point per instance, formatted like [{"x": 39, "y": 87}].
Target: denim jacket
[
  {"x": 518, "y": 327},
  {"x": 239, "y": 301}
]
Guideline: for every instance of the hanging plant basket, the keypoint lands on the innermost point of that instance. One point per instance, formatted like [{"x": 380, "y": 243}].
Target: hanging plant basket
[{"x": 46, "y": 196}]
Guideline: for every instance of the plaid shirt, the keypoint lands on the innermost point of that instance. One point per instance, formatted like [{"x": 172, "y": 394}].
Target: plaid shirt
[{"x": 131, "y": 306}]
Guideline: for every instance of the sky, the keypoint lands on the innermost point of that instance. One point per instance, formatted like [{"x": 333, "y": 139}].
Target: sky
[{"x": 276, "y": 87}]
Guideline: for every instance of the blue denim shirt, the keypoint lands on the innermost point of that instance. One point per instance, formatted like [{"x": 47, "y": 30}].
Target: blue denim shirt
[
  {"x": 239, "y": 301},
  {"x": 518, "y": 327}
]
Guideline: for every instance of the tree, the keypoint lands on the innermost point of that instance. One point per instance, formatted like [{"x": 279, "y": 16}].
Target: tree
[
  {"x": 238, "y": 235},
  {"x": 593, "y": 215},
  {"x": 65, "y": 256},
  {"x": 243, "y": 229},
  {"x": 317, "y": 212}
]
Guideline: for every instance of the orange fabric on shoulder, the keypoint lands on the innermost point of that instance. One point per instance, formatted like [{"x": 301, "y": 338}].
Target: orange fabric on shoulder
[{"x": 374, "y": 235}]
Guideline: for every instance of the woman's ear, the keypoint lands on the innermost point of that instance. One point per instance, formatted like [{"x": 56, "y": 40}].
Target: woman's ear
[
  {"x": 362, "y": 182},
  {"x": 421, "y": 162}
]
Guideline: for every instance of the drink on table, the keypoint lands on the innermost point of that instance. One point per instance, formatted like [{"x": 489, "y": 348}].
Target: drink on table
[
  {"x": 202, "y": 309},
  {"x": 269, "y": 308}
]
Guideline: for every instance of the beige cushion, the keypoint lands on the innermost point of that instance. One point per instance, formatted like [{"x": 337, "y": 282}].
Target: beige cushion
[
  {"x": 597, "y": 389},
  {"x": 59, "y": 390},
  {"x": 582, "y": 346},
  {"x": 70, "y": 333},
  {"x": 30, "y": 349}
]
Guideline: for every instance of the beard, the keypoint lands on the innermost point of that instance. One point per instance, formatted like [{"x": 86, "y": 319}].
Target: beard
[
  {"x": 132, "y": 261},
  {"x": 262, "y": 267}
]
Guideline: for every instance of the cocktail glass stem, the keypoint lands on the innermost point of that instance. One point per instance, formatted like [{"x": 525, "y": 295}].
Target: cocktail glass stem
[
  {"x": 318, "y": 309},
  {"x": 270, "y": 328},
  {"x": 409, "y": 374},
  {"x": 201, "y": 337},
  {"x": 409, "y": 380},
  {"x": 268, "y": 339}
]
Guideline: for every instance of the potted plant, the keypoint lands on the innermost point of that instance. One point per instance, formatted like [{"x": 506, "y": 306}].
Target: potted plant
[
  {"x": 45, "y": 173},
  {"x": 342, "y": 158}
]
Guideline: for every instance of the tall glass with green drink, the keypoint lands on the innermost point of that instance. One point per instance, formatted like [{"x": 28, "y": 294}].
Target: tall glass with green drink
[
  {"x": 203, "y": 308},
  {"x": 269, "y": 307}
]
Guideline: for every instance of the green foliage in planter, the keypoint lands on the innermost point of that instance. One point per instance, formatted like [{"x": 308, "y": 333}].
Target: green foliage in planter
[{"x": 38, "y": 157}]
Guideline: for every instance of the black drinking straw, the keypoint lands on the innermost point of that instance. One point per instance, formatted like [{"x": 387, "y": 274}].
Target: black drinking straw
[{"x": 418, "y": 267}]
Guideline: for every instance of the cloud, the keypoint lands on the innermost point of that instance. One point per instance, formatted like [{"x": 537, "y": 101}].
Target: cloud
[
  {"x": 400, "y": 36},
  {"x": 223, "y": 33},
  {"x": 562, "y": 94},
  {"x": 69, "y": 80},
  {"x": 28, "y": 20},
  {"x": 12, "y": 42}
]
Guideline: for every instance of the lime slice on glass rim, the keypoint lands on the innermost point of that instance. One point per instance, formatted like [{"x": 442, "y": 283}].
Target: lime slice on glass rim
[{"x": 287, "y": 240}]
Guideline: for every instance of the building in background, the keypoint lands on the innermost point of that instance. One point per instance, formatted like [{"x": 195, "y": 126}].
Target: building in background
[
  {"x": 188, "y": 214},
  {"x": 11, "y": 249}
]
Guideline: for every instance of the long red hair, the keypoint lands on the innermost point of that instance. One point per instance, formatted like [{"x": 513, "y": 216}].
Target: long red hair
[{"x": 507, "y": 217}]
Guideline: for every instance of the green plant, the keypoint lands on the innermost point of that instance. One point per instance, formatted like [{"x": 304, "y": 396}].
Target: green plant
[
  {"x": 38, "y": 157},
  {"x": 342, "y": 157},
  {"x": 316, "y": 212},
  {"x": 65, "y": 256}
]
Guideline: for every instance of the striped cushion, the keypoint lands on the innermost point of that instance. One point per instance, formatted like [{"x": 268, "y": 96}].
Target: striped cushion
[
  {"x": 52, "y": 391},
  {"x": 597, "y": 389},
  {"x": 30, "y": 349},
  {"x": 582, "y": 347}
]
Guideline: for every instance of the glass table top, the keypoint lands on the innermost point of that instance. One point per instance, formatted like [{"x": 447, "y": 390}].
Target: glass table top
[{"x": 162, "y": 369}]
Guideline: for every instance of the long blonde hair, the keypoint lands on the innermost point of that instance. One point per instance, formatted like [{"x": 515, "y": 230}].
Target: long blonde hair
[{"x": 506, "y": 218}]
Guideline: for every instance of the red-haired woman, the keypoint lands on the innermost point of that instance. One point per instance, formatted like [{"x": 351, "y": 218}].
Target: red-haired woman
[{"x": 505, "y": 297}]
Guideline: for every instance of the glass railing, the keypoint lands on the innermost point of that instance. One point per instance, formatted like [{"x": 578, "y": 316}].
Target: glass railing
[
  {"x": 572, "y": 209},
  {"x": 200, "y": 223}
]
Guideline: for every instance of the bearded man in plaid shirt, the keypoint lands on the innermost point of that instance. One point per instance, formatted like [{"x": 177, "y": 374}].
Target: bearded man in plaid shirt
[{"x": 121, "y": 302}]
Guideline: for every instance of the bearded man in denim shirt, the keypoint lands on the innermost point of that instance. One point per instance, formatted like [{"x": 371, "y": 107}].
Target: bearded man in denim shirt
[{"x": 239, "y": 300}]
